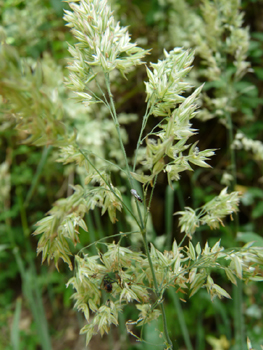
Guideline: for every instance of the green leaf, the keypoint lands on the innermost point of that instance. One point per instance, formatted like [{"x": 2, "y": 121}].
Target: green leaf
[
  {"x": 250, "y": 237},
  {"x": 15, "y": 331},
  {"x": 259, "y": 72},
  {"x": 258, "y": 210}
]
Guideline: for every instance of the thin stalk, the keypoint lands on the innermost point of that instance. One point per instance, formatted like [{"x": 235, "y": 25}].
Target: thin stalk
[
  {"x": 98, "y": 223},
  {"x": 238, "y": 316},
  {"x": 123, "y": 336},
  {"x": 32, "y": 293},
  {"x": 150, "y": 201},
  {"x": 31, "y": 289},
  {"x": 108, "y": 184},
  {"x": 23, "y": 214},
  {"x": 181, "y": 319},
  {"x": 169, "y": 209},
  {"x": 15, "y": 331},
  {"x": 200, "y": 332},
  {"x": 157, "y": 293},
  {"x": 152, "y": 131},
  {"x": 231, "y": 151},
  {"x": 91, "y": 233},
  {"x": 144, "y": 122},
  {"x": 142, "y": 226},
  {"x": 105, "y": 238},
  {"x": 117, "y": 125},
  {"x": 237, "y": 290},
  {"x": 105, "y": 160},
  {"x": 36, "y": 177},
  {"x": 179, "y": 193}
]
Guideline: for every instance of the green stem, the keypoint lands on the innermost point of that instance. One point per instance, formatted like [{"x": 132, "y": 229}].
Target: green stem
[
  {"x": 36, "y": 177},
  {"x": 231, "y": 150},
  {"x": 23, "y": 214},
  {"x": 238, "y": 320},
  {"x": 109, "y": 185},
  {"x": 181, "y": 319},
  {"x": 150, "y": 201},
  {"x": 117, "y": 125},
  {"x": 144, "y": 122},
  {"x": 142, "y": 226},
  {"x": 169, "y": 208},
  {"x": 157, "y": 292}
]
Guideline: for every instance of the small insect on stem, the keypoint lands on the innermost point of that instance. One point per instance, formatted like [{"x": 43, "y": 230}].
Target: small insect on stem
[
  {"x": 107, "y": 284},
  {"x": 135, "y": 194}
]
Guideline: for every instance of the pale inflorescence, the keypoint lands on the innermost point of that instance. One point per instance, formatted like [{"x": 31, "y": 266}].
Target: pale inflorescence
[
  {"x": 132, "y": 277},
  {"x": 254, "y": 146},
  {"x": 125, "y": 276},
  {"x": 210, "y": 214},
  {"x": 103, "y": 45}
]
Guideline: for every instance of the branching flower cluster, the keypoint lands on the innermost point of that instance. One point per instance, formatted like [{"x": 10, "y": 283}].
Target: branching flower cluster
[
  {"x": 210, "y": 214},
  {"x": 67, "y": 214},
  {"x": 219, "y": 37},
  {"x": 126, "y": 275},
  {"x": 223, "y": 19},
  {"x": 164, "y": 95},
  {"x": 24, "y": 25},
  {"x": 102, "y": 46},
  {"x": 129, "y": 277},
  {"x": 34, "y": 105},
  {"x": 254, "y": 146}
]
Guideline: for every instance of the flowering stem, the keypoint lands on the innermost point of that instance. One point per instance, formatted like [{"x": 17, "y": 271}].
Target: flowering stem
[
  {"x": 157, "y": 292},
  {"x": 237, "y": 290},
  {"x": 144, "y": 122},
  {"x": 109, "y": 185},
  {"x": 150, "y": 200},
  {"x": 232, "y": 151},
  {"x": 117, "y": 125},
  {"x": 181, "y": 319}
]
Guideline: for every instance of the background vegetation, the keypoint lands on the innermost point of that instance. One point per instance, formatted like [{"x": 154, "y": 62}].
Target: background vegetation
[{"x": 36, "y": 309}]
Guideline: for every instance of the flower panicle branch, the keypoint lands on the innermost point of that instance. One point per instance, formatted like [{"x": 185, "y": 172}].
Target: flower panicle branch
[
  {"x": 66, "y": 217},
  {"x": 210, "y": 214},
  {"x": 166, "y": 148},
  {"x": 103, "y": 45},
  {"x": 129, "y": 277}
]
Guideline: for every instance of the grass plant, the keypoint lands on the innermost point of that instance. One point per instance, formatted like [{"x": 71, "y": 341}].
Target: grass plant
[{"x": 118, "y": 261}]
